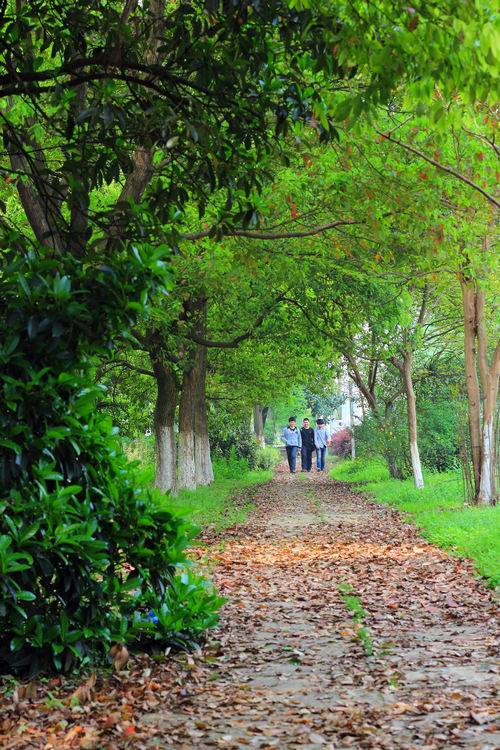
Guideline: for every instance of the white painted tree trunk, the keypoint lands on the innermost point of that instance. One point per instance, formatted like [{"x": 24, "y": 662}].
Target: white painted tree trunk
[
  {"x": 186, "y": 470},
  {"x": 411, "y": 407},
  {"x": 165, "y": 447},
  {"x": 490, "y": 376},
  {"x": 203, "y": 460},
  {"x": 418, "y": 478},
  {"x": 186, "y": 475},
  {"x": 471, "y": 378},
  {"x": 486, "y": 487},
  {"x": 166, "y": 454}
]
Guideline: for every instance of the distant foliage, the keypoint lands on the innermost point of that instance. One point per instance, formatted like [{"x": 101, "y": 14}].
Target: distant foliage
[
  {"x": 341, "y": 443},
  {"x": 438, "y": 439},
  {"x": 227, "y": 440},
  {"x": 86, "y": 551},
  {"x": 267, "y": 458},
  {"x": 388, "y": 440},
  {"x": 323, "y": 405}
]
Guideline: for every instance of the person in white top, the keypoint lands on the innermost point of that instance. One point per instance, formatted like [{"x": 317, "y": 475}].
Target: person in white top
[{"x": 321, "y": 441}]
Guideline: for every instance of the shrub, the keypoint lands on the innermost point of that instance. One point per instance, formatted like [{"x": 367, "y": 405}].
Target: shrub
[
  {"x": 360, "y": 470},
  {"x": 224, "y": 439},
  {"x": 86, "y": 551},
  {"x": 231, "y": 467},
  {"x": 437, "y": 439},
  {"x": 267, "y": 458},
  {"x": 141, "y": 449},
  {"x": 341, "y": 443},
  {"x": 388, "y": 440}
]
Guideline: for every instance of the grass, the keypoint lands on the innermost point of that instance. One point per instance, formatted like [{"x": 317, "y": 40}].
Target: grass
[
  {"x": 354, "y": 606},
  {"x": 438, "y": 510},
  {"x": 360, "y": 470},
  {"x": 215, "y": 504}
]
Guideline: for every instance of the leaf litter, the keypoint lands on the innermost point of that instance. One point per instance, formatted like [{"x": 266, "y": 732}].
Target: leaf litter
[{"x": 286, "y": 667}]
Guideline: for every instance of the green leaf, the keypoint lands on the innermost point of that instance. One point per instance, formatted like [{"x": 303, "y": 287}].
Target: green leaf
[{"x": 25, "y": 596}]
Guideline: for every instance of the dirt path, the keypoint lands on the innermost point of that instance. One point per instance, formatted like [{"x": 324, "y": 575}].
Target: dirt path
[{"x": 287, "y": 669}]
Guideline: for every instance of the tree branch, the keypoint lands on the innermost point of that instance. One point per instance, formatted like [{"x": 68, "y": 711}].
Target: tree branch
[
  {"x": 238, "y": 339},
  {"x": 423, "y": 307},
  {"x": 265, "y": 235},
  {"x": 481, "y": 137},
  {"x": 130, "y": 366},
  {"x": 442, "y": 167},
  {"x": 142, "y": 171}
]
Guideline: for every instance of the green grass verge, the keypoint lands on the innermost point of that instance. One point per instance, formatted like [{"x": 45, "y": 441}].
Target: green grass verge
[
  {"x": 438, "y": 510},
  {"x": 215, "y": 504}
]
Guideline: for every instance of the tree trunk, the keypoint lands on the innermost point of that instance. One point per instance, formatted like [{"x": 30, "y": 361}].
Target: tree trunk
[
  {"x": 471, "y": 379},
  {"x": 411, "y": 409},
  {"x": 195, "y": 464},
  {"x": 258, "y": 424},
  {"x": 186, "y": 475},
  {"x": 489, "y": 381},
  {"x": 351, "y": 420},
  {"x": 368, "y": 390},
  {"x": 164, "y": 417},
  {"x": 394, "y": 470},
  {"x": 203, "y": 462}
]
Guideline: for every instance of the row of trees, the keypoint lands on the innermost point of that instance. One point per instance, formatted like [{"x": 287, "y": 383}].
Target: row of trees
[
  {"x": 393, "y": 285},
  {"x": 194, "y": 193}
]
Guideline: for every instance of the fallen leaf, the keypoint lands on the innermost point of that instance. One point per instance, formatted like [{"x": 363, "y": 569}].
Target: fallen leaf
[{"x": 120, "y": 656}]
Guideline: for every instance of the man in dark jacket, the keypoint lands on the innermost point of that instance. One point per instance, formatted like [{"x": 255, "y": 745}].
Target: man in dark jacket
[{"x": 307, "y": 434}]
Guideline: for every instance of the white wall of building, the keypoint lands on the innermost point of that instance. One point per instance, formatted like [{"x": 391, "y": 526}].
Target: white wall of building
[{"x": 342, "y": 418}]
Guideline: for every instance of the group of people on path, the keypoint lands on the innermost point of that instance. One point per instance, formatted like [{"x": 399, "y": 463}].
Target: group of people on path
[{"x": 307, "y": 440}]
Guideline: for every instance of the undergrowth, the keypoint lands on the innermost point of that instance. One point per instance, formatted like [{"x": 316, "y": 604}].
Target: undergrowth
[
  {"x": 217, "y": 503},
  {"x": 438, "y": 509}
]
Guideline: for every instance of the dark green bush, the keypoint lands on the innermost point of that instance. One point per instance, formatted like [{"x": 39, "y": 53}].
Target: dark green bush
[
  {"x": 437, "y": 436},
  {"x": 86, "y": 551},
  {"x": 238, "y": 440},
  {"x": 437, "y": 439}
]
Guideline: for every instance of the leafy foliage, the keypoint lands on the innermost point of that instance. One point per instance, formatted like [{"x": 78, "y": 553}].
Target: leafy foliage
[
  {"x": 341, "y": 443},
  {"x": 323, "y": 405},
  {"x": 85, "y": 550},
  {"x": 234, "y": 442},
  {"x": 438, "y": 438},
  {"x": 388, "y": 439}
]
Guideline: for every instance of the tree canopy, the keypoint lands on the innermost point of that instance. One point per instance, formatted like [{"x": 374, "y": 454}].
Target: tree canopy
[{"x": 208, "y": 208}]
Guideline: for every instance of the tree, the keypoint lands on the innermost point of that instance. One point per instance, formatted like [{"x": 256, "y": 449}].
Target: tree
[{"x": 464, "y": 161}]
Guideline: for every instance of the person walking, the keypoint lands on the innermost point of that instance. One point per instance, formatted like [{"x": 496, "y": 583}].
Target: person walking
[
  {"x": 293, "y": 441},
  {"x": 321, "y": 440},
  {"x": 307, "y": 435}
]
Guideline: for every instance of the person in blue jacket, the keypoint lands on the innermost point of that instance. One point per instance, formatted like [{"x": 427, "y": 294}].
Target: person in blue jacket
[
  {"x": 293, "y": 441},
  {"x": 321, "y": 440}
]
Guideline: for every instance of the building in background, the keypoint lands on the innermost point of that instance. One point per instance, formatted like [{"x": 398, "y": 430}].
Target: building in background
[{"x": 351, "y": 410}]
